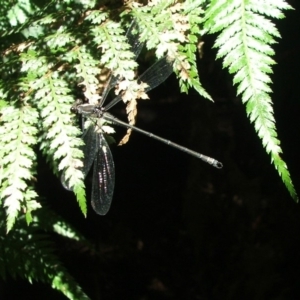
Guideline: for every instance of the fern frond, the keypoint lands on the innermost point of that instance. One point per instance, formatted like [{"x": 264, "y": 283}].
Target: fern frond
[
  {"x": 119, "y": 58},
  {"x": 176, "y": 34},
  {"x": 49, "y": 221},
  {"x": 17, "y": 138},
  {"x": 244, "y": 44},
  {"x": 59, "y": 140},
  {"x": 27, "y": 253},
  {"x": 194, "y": 11}
]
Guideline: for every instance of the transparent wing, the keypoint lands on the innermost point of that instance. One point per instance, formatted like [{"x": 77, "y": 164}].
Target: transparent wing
[
  {"x": 157, "y": 73},
  {"x": 154, "y": 76},
  {"x": 103, "y": 178},
  {"x": 90, "y": 149},
  {"x": 133, "y": 39}
]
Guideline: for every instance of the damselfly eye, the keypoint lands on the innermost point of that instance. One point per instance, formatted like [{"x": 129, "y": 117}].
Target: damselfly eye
[{"x": 74, "y": 109}]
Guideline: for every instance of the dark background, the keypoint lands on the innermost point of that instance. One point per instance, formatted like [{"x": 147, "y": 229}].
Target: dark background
[{"x": 178, "y": 228}]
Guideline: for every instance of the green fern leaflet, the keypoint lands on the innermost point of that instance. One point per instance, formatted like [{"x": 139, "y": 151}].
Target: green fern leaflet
[{"x": 245, "y": 36}]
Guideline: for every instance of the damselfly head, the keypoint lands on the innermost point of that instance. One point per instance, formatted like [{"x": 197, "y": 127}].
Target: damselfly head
[{"x": 74, "y": 109}]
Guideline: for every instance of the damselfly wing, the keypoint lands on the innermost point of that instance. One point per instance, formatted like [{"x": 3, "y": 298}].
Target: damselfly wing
[{"x": 103, "y": 177}]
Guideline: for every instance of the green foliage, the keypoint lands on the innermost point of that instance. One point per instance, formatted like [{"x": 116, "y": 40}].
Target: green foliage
[
  {"x": 176, "y": 33},
  {"x": 19, "y": 159},
  {"x": 26, "y": 252},
  {"x": 61, "y": 53},
  {"x": 246, "y": 33},
  {"x": 52, "y": 54}
]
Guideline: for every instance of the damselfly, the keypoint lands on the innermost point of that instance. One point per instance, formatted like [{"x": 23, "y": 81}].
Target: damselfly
[{"x": 96, "y": 148}]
